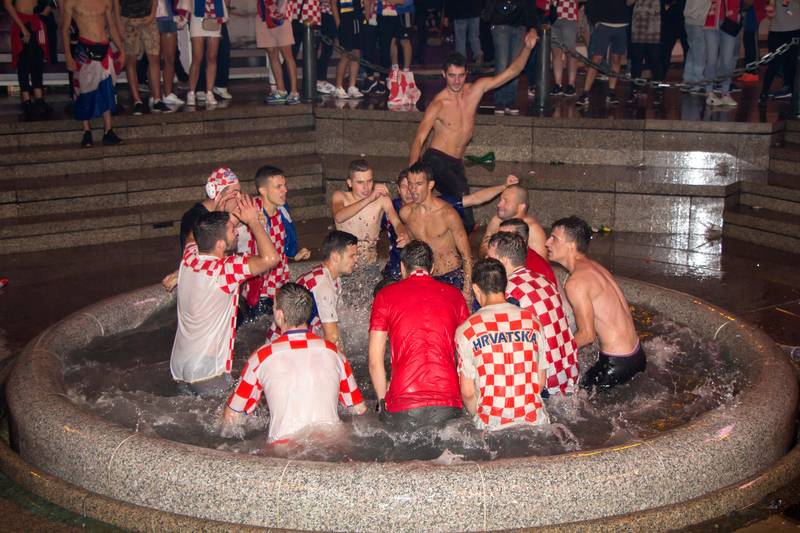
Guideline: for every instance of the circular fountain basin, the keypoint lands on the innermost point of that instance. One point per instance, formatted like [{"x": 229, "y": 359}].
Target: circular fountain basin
[{"x": 725, "y": 446}]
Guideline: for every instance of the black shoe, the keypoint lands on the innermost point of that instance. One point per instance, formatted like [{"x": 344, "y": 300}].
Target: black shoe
[
  {"x": 557, "y": 90},
  {"x": 658, "y": 100},
  {"x": 161, "y": 107},
  {"x": 611, "y": 98},
  {"x": 734, "y": 88},
  {"x": 29, "y": 109},
  {"x": 42, "y": 108},
  {"x": 380, "y": 88},
  {"x": 110, "y": 138},
  {"x": 138, "y": 108},
  {"x": 783, "y": 92},
  {"x": 87, "y": 140},
  {"x": 762, "y": 100},
  {"x": 583, "y": 99},
  {"x": 633, "y": 99},
  {"x": 570, "y": 90}
]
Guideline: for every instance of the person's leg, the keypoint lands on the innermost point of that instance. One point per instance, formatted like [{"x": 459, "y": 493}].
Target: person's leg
[
  {"x": 727, "y": 46},
  {"x": 198, "y": 53},
  {"x": 387, "y": 26},
  {"x": 328, "y": 29},
  {"x": 750, "y": 41},
  {"x": 154, "y": 75},
  {"x": 131, "y": 45},
  {"x": 142, "y": 67},
  {"x": 106, "y": 122},
  {"x": 773, "y": 66},
  {"x": 354, "y": 70},
  {"x": 460, "y": 30},
  {"x": 473, "y": 35},
  {"x": 790, "y": 60},
  {"x": 618, "y": 48},
  {"x": 712, "y": 55},
  {"x": 169, "y": 45},
  {"x": 291, "y": 67},
  {"x": 635, "y": 57},
  {"x": 558, "y": 66},
  {"x": 406, "y": 45},
  {"x": 420, "y": 14},
  {"x": 275, "y": 64},
  {"x": 501, "y": 35},
  {"x": 223, "y": 59},
  {"x": 694, "y": 57},
  {"x": 24, "y": 61}
]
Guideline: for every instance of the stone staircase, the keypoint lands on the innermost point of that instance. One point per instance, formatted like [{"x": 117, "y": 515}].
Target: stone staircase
[
  {"x": 769, "y": 213},
  {"x": 53, "y": 194}
]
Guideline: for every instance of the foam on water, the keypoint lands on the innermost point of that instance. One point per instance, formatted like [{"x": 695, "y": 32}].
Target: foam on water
[{"x": 126, "y": 380}]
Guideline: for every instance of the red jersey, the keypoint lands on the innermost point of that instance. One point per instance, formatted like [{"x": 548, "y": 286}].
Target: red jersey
[
  {"x": 421, "y": 316},
  {"x": 536, "y": 263}
]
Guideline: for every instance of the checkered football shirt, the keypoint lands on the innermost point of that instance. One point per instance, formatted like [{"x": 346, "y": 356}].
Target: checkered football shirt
[
  {"x": 566, "y": 9},
  {"x": 301, "y": 376},
  {"x": 501, "y": 348},
  {"x": 208, "y": 293},
  {"x": 306, "y": 10},
  {"x": 538, "y": 295}
]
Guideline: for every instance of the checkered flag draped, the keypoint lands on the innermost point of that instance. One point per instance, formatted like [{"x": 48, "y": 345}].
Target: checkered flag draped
[
  {"x": 229, "y": 271},
  {"x": 278, "y": 276},
  {"x": 325, "y": 8},
  {"x": 507, "y": 367},
  {"x": 306, "y": 10},
  {"x": 538, "y": 295},
  {"x": 248, "y": 392},
  {"x": 567, "y": 10}
]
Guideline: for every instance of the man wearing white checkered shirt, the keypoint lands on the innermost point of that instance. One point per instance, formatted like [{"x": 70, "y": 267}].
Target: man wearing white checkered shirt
[{"x": 502, "y": 364}]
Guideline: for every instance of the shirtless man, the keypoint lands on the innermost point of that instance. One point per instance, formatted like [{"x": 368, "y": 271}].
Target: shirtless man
[
  {"x": 600, "y": 307},
  {"x": 433, "y": 221},
  {"x": 451, "y": 116},
  {"x": 359, "y": 211},
  {"x": 514, "y": 204},
  {"x": 94, "y": 83}
]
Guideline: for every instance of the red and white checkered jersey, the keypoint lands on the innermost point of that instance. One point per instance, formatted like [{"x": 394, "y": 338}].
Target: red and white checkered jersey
[
  {"x": 278, "y": 276},
  {"x": 386, "y": 9},
  {"x": 306, "y": 10},
  {"x": 566, "y": 9},
  {"x": 326, "y": 293},
  {"x": 325, "y": 8},
  {"x": 501, "y": 347},
  {"x": 208, "y": 293},
  {"x": 540, "y": 296},
  {"x": 301, "y": 377}
]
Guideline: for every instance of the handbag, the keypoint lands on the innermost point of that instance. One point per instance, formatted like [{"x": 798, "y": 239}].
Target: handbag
[
  {"x": 730, "y": 26},
  {"x": 211, "y": 25},
  {"x": 553, "y": 12}
]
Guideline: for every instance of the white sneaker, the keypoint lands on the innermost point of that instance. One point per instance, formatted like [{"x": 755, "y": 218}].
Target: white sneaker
[
  {"x": 210, "y": 100},
  {"x": 201, "y": 96},
  {"x": 222, "y": 92},
  {"x": 340, "y": 93},
  {"x": 190, "y": 98},
  {"x": 324, "y": 87},
  {"x": 353, "y": 92},
  {"x": 712, "y": 99},
  {"x": 727, "y": 100},
  {"x": 531, "y": 94},
  {"x": 171, "y": 99}
]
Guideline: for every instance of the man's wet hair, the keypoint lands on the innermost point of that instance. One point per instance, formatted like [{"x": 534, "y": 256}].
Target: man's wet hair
[
  {"x": 297, "y": 304},
  {"x": 522, "y": 194},
  {"x": 511, "y": 246},
  {"x": 417, "y": 255},
  {"x": 210, "y": 228},
  {"x": 337, "y": 241},
  {"x": 402, "y": 176},
  {"x": 266, "y": 172},
  {"x": 358, "y": 165},
  {"x": 421, "y": 168},
  {"x": 519, "y": 225},
  {"x": 490, "y": 276},
  {"x": 455, "y": 59},
  {"x": 575, "y": 230}
]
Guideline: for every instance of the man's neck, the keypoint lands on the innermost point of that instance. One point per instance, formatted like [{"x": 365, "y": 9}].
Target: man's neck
[
  {"x": 334, "y": 272},
  {"x": 269, "y": 207},
  {"x": 495, "y": 299},
  {"x": 572, "y": 260},
  {"x": 514, "y": 268},
  {"x": 209, "y": 204}
]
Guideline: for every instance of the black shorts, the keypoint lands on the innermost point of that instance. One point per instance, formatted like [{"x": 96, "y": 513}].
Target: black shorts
[
  {"x": 404, "y": 23},
  {"x": 349, "y": 31},
  {"x": 450, "y": 179}
]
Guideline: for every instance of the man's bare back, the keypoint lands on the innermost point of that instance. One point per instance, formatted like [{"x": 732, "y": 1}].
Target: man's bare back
[{"x": 438, "y": 227}]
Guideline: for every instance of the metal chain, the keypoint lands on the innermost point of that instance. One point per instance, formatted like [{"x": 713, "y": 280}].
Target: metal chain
[{"x": 642, "y": 82}]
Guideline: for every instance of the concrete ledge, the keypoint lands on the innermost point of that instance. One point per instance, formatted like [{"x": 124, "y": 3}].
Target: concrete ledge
[{"x": 729, "y": 445}]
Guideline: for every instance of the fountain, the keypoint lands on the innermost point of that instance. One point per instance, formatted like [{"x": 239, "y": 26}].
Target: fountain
[{"x": 722, "y": 460}]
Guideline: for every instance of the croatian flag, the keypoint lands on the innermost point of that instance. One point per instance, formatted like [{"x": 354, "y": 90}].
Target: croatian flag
[{"x": 93, "y": 83}]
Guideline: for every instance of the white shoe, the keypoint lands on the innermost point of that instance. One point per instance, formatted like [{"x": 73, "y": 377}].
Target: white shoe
[
  {"x": 531, "y": 94},
  {"x": 222, "y": 92},
  {"x": 323, "y": 87},
  {"x": 353, "y": 92},
  {"x": 210, "y": 100},
  {"x": 201, "y": 96},
  {"x": 712, "y": 99},
  {"x": 190, "y": 98},
  {"x": 340, "y": 93},
  {"x": 727, "y": 100},
  {"x": 171, "y": 99}
]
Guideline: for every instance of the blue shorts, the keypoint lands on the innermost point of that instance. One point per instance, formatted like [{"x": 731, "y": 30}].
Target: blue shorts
[
  {"x": 167, "y": 26},
  {"x": 616, "y": 38},
  {"x": 454, "y": 278}
]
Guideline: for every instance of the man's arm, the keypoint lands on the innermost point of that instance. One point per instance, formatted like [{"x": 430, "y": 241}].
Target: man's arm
[
  {"x": 578, "y": 296},
  {"x": 462, "y": 244},
  {"x": 485, "y": 195},
  {"x": 377, "y": 368},
  {"x": 152, "y": 16},
  {"x": 331, "y": 330},
  {"x": 267, "y": 257},
  {"x": 335, "y": 11},
  {"x": 424, "y": 130},
  {"x": 399, "y": 228},
  {"x": 117, "y": 19},
  {"x": 342, "y": 213},
  {"x": 491, "y": 228},
  {"x": 513, "y": 70},
  {"x": 468, "y": 393},
  {"x": 66, "y": 24},
  {"x": 12, "y": 12},
  {"x": 112, "y": 29}
]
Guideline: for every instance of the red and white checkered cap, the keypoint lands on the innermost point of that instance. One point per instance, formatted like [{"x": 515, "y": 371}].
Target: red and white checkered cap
[{"x": 218, "y": 180}]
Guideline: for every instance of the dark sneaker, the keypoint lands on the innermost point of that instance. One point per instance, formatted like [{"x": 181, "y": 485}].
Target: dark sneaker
[
  {"x": 783, "y": 92},
  {"x": 583, "y": 99},
  {"x": 762, "y": 100},
  {"x": 161, "y": 107},
  {"x": 658, "y": 100},
  {"x": 570, "y": 90},
  {"x": 380, "y": 88},
  {"x": 138, "y": 108},
  {"x": 611, "y": 98},
  {"x": 87, "y": 140},
  {"x": 499, "y": 110},
  {"x": 29, "y": 109},
  {"x": 369, "y": 86},
  {"x": 557, "y": 90},
  {"x": 41, "y": 108},
  {"x": 734, "y": 88},
  {"x": 110, "y": 139},
  {"x": 511, "y": 109},
  {"x": 633, "y": 99}
]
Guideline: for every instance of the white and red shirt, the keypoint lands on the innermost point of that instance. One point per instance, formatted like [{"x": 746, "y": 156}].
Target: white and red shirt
[
  {"x": 306, "y": 10},
  {"x": 278, "y": 276},
  {"x": 502, "y": 348},
  {"x": 301, "y": 377},
  {"x": 540, "y": 296},
  {"x": 566, "y": 9},
  {"x": 208, "y": 293}
]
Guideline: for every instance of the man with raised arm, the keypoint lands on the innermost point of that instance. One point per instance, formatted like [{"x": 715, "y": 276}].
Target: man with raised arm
[
  {"x": 208, "y": 294},
  {"x": 601, "y": 310},
  {"x": 339, "y": 258},
  {"x": 534, "y": 292},
  {"x": 93, "y": 88},
  {"x": 502, "y": 360},
  {"x": 451, "y": 116},
  {"x": 433, "y": 221},
  {"x": 302, "y": 376},
  {"x": 359, "y": 211},
  {"x": 514, "y": 204}
]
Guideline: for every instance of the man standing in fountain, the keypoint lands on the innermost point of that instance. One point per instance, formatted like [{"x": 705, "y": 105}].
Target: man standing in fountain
[
  {"x": 359, "y": 211},
  {"x": 433, "y": 221},
  {"x": 601, "y": 309},
  {"x": 301, "y": 375},
  {"x": 419, "y": 316},
  {"x": 502, "y": 360},
  {"x": 514, "y": 204},
  {"x": 208, "y": 293},
  {"x": 451, "y": 116}
]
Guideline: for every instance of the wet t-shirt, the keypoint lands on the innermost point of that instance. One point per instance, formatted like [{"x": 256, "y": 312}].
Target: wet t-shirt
[
  {"x": 421, "y": 316},
  {"x": 501, "y": 347},
  {"x": 536, "y": 263},
  {"x": 302, "y": 377}
]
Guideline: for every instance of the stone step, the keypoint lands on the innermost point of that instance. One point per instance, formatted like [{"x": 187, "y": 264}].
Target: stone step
[
  {"x": 93, "y": 190},
  {"x": 785, "y": 158},
  {"x": 774, "y": 196},
  {"x": 28, "y": 234},
  {"x": 763, "y": 226}
]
